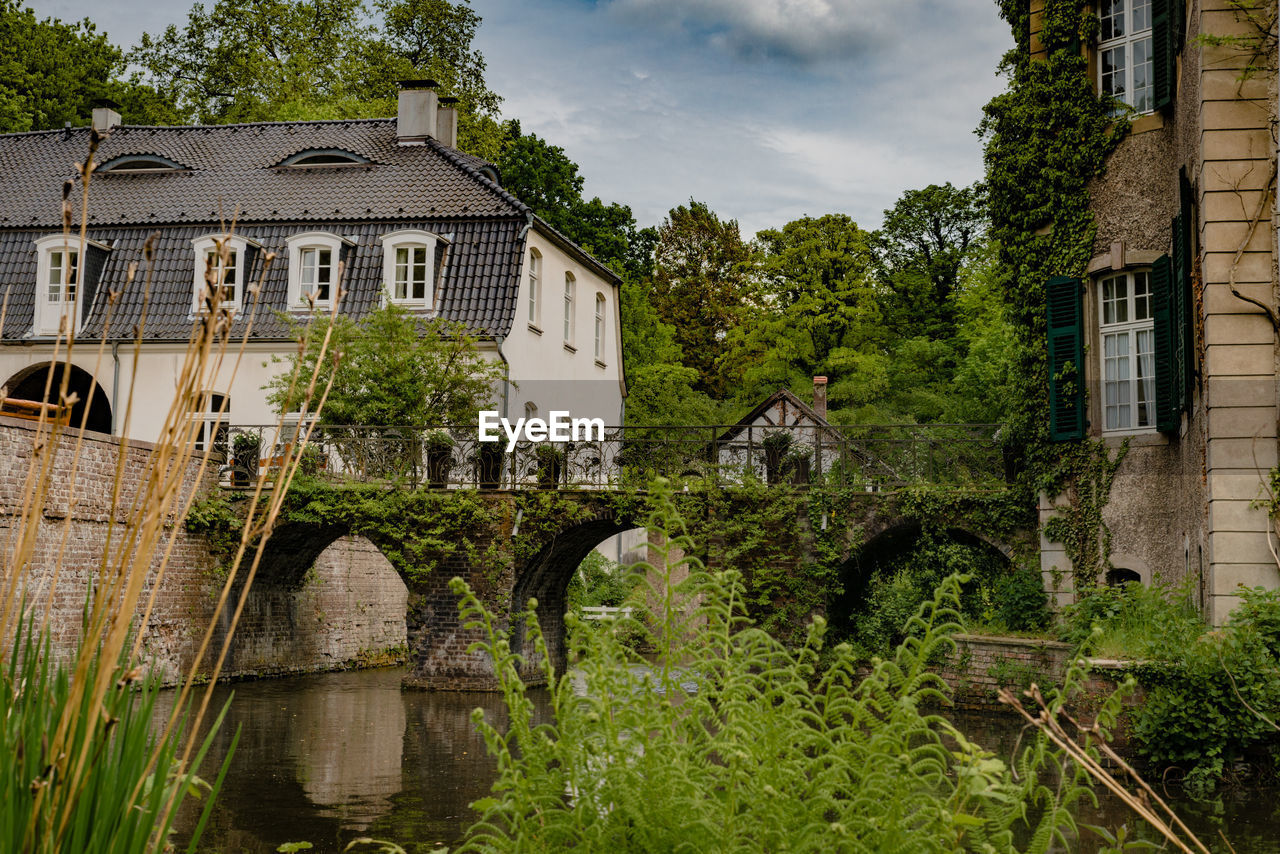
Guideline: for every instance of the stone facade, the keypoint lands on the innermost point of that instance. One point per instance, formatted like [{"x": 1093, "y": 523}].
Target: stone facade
[
  {"x": 349, "y": 608},
  {"x": 1182, "y": 503}
]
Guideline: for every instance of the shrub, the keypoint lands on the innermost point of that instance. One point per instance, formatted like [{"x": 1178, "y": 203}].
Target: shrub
[{"x": 1019, "y": 602}]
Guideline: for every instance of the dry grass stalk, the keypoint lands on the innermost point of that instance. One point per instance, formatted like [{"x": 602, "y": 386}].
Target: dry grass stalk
[{"x": 136, "y": 535}]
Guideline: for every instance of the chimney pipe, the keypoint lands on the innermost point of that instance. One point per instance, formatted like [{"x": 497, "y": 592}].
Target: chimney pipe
[
  {"x": 820, "y": 396},
  {"x": 106, "y": 115},
  {"x": 447, "y": 121},
  {"x": 416, "y": 117}
]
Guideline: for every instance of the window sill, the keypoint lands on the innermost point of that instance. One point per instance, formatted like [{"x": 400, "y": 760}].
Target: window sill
[
  {"x": 536, "y": 330},
  {"x": 1146, "y": 437},
  {"x": 600, "y": 364},
  {"x": 570, "y": 348},
  {"x": 1146, "y": 122}
]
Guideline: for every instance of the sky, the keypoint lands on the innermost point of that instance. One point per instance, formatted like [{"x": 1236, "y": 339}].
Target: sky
[{"x": 766, "y": 110}]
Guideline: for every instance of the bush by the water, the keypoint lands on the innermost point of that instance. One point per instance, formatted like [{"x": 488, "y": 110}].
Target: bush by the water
[
  {"x": 728, "y": 741},
  {"x": 1211, "y": 695}
]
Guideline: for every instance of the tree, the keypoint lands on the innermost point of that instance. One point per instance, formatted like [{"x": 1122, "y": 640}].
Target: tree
[
  {"x": 51, "y": 73},
  {"x": 275, "y": 60},
  {"x": 701, "y": 275},
  {"x": 394, "y": 369},
  {"x": 926, "y": 238},
  {"x": 816, "y": 313}
]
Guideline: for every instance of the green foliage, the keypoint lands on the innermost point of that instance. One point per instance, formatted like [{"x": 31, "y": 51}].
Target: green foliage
[
  {"x": 51, "y": 72},
  {"x": 1137, "y": 622},
  {"x": 1019, "y": 602},
  {"x": 395, "y": 369},
  {"x": 214, "y": 517},
  {"x": 118, "y": 806},
  {"x": 701, "y": 275},
  {"x": 599, "y": 581},
  {"x": 728, "y": 741},
  {"x": 285, "y": 60}
]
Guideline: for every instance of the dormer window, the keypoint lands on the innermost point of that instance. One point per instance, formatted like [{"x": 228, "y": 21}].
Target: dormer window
[
  {"x": 58, "y": 282},
  {"x": 409, "y": 268},
  {"x": 136, "y": 164},
  {"x": 324, "y": 157},
  {"x": 314, "y": 264},
  {"x": 220, "y": 265}
]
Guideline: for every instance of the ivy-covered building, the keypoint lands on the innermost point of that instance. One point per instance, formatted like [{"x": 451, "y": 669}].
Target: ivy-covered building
[{"x": 1156, "y": 272}]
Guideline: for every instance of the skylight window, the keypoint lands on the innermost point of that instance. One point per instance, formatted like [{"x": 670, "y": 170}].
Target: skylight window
[
  {"x": 324, "y": 157},
  {"x": 133, "y": 164}
]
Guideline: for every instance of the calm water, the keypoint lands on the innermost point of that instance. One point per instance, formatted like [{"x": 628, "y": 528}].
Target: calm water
[{"x": 333, "y": 757}]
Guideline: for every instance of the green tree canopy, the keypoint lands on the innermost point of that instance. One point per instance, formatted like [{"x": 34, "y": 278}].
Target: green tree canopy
[
  {"x": 394, "y": 368},
  {"x": 51, "y": 73},
  {"x": 926, "y": 239},
  {"x": 702, "y": 274},
  {"x": 278, "y": 60}
]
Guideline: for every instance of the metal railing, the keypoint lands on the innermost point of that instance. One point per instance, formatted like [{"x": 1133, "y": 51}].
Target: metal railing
[{"x": 873, "y": 457}]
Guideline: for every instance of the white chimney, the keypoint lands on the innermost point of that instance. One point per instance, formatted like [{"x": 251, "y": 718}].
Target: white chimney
[
  {"x": 106, "y": 115},
  {"x": 416, "y": 118},
  {"x": 447, "y": 122}
]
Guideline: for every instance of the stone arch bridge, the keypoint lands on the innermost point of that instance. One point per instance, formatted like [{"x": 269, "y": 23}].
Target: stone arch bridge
[{"x": 517, "y": 525}]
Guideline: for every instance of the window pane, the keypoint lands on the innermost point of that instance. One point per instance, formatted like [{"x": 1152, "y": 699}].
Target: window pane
[
  {"x": 401, "y": 289},
  {"x": 1146, "y": 384},
  {"x": 1143, "y": 75},
  {"x": 1141, "y": 297},
  {"x": 1111, "y": 13},
  {"x": 308, "y": 270},
  {"x": 1140, "y": 16}
]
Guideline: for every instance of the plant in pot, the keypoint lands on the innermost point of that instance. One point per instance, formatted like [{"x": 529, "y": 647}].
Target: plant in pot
[
  {"x": 437, "y": 446},
  {"x": 797, "y": 464},
  {"x": 550, "y": 465},
  {"x": 776, "y": 445},
  {"x": 245, "y": 454},
  {"x": 489, "y": 460}
]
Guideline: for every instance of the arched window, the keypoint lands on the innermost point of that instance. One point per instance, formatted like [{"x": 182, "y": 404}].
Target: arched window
[
  {"x": 408, "y": 268},
  {"x": 599, "y": 327},
  {"x": 530, "y": 410},
  {"x": 220, "y": 265},
  {"x": 569, "y": 287},
  {"x": 314, "y": 258},
  {"x": 535, "y": 288},
  {"x": 1120, "y": 576}
]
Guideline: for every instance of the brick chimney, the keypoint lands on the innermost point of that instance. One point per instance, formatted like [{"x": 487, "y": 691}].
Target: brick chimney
[
  {"x": 416, "y": 116},
  {"x": 820, "y": 396},
  {"x": 106, "y": 115},
  {"x": 447, "y": 121}
]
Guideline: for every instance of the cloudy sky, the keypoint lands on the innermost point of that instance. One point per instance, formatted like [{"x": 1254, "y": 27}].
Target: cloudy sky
[{"x": 765, "y": 109}]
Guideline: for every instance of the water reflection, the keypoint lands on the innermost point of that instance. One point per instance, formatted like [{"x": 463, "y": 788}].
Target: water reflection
[{"x": 333, "y": 757}]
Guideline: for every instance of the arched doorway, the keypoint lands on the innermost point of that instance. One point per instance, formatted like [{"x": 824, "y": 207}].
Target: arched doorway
[{"x": 30, "y": 384}]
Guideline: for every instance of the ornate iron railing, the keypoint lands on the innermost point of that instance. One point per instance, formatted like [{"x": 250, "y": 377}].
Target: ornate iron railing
[{"x": 873, "y": 457}]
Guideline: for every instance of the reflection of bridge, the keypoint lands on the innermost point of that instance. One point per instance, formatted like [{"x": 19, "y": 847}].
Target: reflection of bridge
[
  {"x": 875, "y": 457},
  {"x": 523, "y": 521}
]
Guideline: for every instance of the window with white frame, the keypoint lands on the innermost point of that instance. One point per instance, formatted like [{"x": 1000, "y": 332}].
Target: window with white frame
[
  {"x": 408, "y": 269},
  {"x": 58, "y": 278},
  {"x": 530, "y": 410},
  {"x": 211, "y": 422},
  {"x": 569, "y": 287},
  {"x": 599, "y": 348},
  {"x": 314, "y": 265},
  {"x": 1128, "y": 351},
  {"x": 219, "y": 271},
  {"x": 1125, "y": 67},
  {"x": 535, "y": 288}
]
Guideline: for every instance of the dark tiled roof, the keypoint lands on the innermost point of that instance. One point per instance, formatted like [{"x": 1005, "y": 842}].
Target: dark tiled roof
[
  {"x": 231, "y": 166},
  {"x": 478, "y": 285}
]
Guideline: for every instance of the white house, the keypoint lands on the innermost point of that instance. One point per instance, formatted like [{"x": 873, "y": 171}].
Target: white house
[{"x": 409, "y": 218}]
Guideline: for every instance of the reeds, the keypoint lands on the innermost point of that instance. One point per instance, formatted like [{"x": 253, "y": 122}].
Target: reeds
[{"x": 90, "y": 771}]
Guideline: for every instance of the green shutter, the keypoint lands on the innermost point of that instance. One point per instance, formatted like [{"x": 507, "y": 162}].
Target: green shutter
[
  {"x": 1066, "y": 359},
  {"x": 1164, "y": 52},
  {"x": 1184, "y": 245},
  {"x": 1168, "y": 368}
]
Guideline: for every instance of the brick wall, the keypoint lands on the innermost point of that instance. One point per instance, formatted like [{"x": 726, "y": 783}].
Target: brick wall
[{"x": 350, "y": 609}]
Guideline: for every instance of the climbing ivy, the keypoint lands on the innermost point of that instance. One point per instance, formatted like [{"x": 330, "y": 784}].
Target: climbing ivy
[{"x": 1047, "y": 138}]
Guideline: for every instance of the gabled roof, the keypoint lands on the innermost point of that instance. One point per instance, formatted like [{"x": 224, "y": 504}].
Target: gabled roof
[
  {"x": 238, "y": 171},
  {"x": 789, "y": 403},
  {"x": 234, "y": 167}
]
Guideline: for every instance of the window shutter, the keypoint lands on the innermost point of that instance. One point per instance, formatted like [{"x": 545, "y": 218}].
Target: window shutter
[
  {"x": 1184, "y": 246},
  {"x": 1168, "y": 368},
  {"x": 1066, "y": 359},
  {"x": 1164, "y": 52}
]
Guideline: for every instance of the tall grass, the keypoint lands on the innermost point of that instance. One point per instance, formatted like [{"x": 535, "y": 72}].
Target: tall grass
[{"x": 89, "y": 771}]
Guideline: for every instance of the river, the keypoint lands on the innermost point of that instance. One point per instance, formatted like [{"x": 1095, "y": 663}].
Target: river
[{"x": 332, "y": 757}]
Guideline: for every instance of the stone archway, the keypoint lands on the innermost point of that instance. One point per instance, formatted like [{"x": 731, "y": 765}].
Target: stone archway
[{"x": 30, "y": 383}]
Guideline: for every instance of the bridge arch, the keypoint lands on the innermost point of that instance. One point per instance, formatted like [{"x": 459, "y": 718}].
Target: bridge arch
[{"x": 30, "y": 382}]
